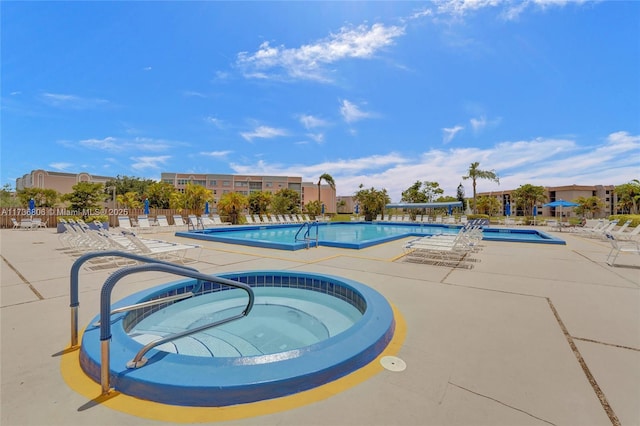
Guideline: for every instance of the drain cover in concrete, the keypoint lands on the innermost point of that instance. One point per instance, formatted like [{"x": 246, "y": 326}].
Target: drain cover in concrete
[{"x": 393, "y": 363}]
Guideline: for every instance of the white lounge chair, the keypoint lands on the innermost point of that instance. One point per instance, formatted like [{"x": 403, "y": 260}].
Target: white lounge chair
[
  {"x": 161, "y": 249},
  {"x": 124, "y": 222},
  {"x": 628, "y": 236},
  {"x": 163, "y": 223},
  {"x": 617, "y": 247},
  {"x": 144, "y": 225},
  {"x": 179, "y": 222}
]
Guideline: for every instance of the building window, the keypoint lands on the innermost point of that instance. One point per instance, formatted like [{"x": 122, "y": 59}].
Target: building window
[
  {"x": 268, "y": 184},
  {"x": 213, "y": 183},
  {"x": 226, "y": 183}
]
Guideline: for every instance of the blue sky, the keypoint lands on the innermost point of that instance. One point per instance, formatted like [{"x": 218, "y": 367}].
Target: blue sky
[{"x": 376, "y": 93}]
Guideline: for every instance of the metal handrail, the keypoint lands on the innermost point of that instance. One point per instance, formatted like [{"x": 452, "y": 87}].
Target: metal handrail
[
  {"x": 105, "y": 312},
  {"x": 306, "y": 237},
  {"x": 75, "y": 275},
  {"x": 153, "y": 302}
]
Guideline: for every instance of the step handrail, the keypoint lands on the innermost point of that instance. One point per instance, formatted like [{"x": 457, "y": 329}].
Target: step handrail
[
  {"x": 306, "y": 237},
  {"x": 105, "y": 308},
  {"x": 74, "y": 303}
]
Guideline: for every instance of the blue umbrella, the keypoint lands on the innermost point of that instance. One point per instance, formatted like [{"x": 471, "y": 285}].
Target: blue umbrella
[
  {"x": 561, "y": 203},
  {"x": 507, "y": 209},
  {"x": 535, "y": 211},
  {"x": 450, "y": 209},
  {"x": 357, "y": 208},
  {"x": 32, "y": 206},
  {"x": 206, "y": 208},
  {"x": 146, "y": 206},
  {"x": 323, "y": 209}
]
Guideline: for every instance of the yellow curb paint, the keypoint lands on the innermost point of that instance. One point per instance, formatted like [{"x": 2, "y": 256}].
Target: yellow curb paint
[{"x": 77, "y": 380}]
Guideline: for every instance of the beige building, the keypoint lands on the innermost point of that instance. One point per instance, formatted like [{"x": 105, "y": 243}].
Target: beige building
[
  {"x": 221, "y": 184},
  {"x": 61, "y": 182},
  {"x": 567, "y": 193}
]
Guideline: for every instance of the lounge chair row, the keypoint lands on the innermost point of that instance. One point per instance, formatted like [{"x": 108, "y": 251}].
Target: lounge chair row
[
  {"x": 277, "y": 219},
  {"x": 446, "y": 249},
  {"x": 78, "y": 238},
  {"x": 422, "y": 219},
  {"x": 602, "y": 228}
]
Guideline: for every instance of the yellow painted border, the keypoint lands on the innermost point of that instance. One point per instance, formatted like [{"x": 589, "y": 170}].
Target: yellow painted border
[{"x": 82, "y": 384}]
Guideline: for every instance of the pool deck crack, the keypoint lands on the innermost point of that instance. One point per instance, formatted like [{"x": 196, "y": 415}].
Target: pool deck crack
[
  {"x": 24, "y": 280},
  {"x": 501, "y": 403},
  {"x": 585, "y": 368}
]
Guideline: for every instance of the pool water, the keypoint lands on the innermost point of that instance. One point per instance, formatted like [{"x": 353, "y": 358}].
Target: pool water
[
  {"x": 351, "y": 235},
  {"x": 282, "y": 319},
  {"x": 249, "y": 361}
]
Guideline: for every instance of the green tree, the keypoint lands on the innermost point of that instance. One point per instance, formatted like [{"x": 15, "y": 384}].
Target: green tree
[
  {"x": 130, "y": 200},
  {"x": 527, "y": 196},
  {"x": 124, "y": 184},
  {"x": 474, "y": 173},
  {"x": 460, "y": 193},
  {"x": 313, "y": 208},
  {"x": 86, "y": 197},
  {"x": 372, "y": 201},
  {"x": 159, "y": 194},
  {"x": 589, "y": 206},
  {"x": 328, "y": 179},
  {"x": 259, "y": 202},
  {"x": 628, "y": 195},
  {"x": 195, "y": 196},
  {"x": 7, "y": 198},
  {"x": 231, "y": 205},
  {"x": 285, "y": 201},
  {"x": 41, "y": 197},
  {"x": 488, "y": 205},
  {"x": 421, "y": 192}
]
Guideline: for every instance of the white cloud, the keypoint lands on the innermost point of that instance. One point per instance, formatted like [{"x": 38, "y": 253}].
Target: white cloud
[
  {"x": 308, "y": 61},
  {"x": 316, "y": 137},
  {"x": 60, "y": 166},
  {"x": 478, "y": 123},
  {"x": 59, "y": 100},
  {"x": 140, "y": 163},
  {"x": 450, "y": 132},
  {"x": 216, "y": 154},
  {"x": 107, "y": 144},
  {"x": 263, "y": 132},
  {"x": 113, "y": 144},
  {"x": 215, "y": 121},
  {"x": 507, "y": 9},
  {"x": 310, "y": 122},
  {"x": 351, "y": 113},
  {"x": 540, "y": 161}
]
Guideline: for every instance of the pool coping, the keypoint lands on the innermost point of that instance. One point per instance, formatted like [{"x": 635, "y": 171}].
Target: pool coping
[{"x": 217, "y": 234}]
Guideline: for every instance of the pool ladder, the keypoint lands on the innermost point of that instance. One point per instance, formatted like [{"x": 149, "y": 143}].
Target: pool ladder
[
  {"x": 306, "y": 236},
  {"x": 148, "y": 264}
]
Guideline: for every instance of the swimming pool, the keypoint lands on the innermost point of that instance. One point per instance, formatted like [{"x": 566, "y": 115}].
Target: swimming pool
[
  {"x": 323, "y": 328},
  {"x": 352, "y": 235}
]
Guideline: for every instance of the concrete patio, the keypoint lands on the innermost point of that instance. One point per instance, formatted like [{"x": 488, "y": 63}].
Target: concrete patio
[{"x": 533, "y": 334}]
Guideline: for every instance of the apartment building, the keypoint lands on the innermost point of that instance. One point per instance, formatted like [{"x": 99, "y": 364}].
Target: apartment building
[
  {"x": 61, "y": 182},
  {"x": 221, "y": 184},
  {"x": 568, "y": 192}
]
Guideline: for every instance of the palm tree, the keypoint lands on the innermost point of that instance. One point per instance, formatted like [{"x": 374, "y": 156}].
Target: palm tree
[
  {"x": 475, "y": 173},
  {"x": 328, "y": 179}
]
